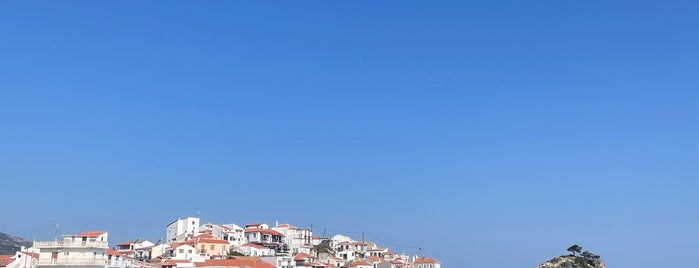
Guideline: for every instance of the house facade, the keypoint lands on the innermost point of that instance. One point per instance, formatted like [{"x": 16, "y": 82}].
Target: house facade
[
  {"x": 256, "y": 250},
  {"x": 265, "y": 237},
  {"x": 180, "y": 229},
  {"x": 234, "y": 234},
  {"x": 296, "y": 240},
  {"x": 84, "y": 250},
  {"x": 426, "y": 262}
]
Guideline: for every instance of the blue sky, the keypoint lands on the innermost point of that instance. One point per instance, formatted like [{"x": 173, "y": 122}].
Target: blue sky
[{"x": 488, "y": 133}]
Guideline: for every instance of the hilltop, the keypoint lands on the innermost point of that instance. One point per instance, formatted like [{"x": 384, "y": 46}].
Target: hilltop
[
  {"x": 578, "y": 259},
  {"x": 10, "y": 244}
]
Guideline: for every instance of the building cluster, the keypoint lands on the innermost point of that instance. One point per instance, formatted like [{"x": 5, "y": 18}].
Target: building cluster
[{"x": 190, "y": 244}]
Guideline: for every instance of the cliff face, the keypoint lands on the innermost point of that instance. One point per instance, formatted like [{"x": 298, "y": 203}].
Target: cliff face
[{"x": 569, "y": 261}]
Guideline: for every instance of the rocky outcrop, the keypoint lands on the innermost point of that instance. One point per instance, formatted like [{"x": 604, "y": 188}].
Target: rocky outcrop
[{"x": 571, "y": 261}]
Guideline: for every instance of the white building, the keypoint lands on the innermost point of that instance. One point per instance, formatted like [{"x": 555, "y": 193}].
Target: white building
[
  {"x": 297, "y": 240},
  {"x": 84, "y": 250},
  {"x": 24, "y": 258},
  {"x": 426, "y": 262},
  {"x": 280, "y": 262},
  {"x": 183, "y": 252},
  {"x": 260, "y": 234},
  {"x": 349, "y": 250},
  {"x": 178, "y": 230},
  {"x": 234, "y": 234},
  {"x": 255, "y": 250},
  {"x": 159, "y": 249}
]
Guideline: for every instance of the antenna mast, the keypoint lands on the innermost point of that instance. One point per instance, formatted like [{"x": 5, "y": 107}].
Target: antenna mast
[{"x": 55, "y": 235}]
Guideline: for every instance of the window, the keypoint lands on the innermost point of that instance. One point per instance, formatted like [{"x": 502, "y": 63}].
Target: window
[
  {"x": 189, "y": 251},
  {"x": 181, "y": 250},
  {"x": 212, "y": 247}
]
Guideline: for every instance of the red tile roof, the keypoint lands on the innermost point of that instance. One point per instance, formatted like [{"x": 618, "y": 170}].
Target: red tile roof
[
  {"x": 34, "y": 255},
  {"x": 426, "y": 260},
  {"x": 286, "y": 225},
  {"x": 251, "y": 263},
  {"x": 302, "y": 257},
  {"x": 6, "y": 259},
  {"x": 92, "y": 233},
  {"x": 360, "y": 263},
  {"x": 264, "y": 231},
  {"x": 205, "y": 235},
  {"x": 125, "y": 243},
  {"x": 315, "y": 264},
  {"x": 113, "y": 252},
  {"x": 375, "y": 259},
  {"x": 213, "y": 241},
  {"x": 204, "y": 238}
]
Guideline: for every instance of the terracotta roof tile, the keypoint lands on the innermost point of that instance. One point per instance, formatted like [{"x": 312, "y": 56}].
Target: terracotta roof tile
[
  {"x": 92, "y": 233},
  {"x": 360, "y": 263},
  {"x": 315, "y": 264},
  {"x": 286, "y": 225},
  {"x": 264, "y": 231},
  {"x": 6, "y": 259},
  {"x": 113, "y": 252},
  {"x": 302, "y": 257},
  {"x": 32, "y": 254},
  {"x": 375, "y": 258},
  {"x": 426, "y": 260},
  {"x": 251, "y": 263}
]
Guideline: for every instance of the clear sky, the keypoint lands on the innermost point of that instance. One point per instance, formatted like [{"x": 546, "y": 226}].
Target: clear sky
[{"x": 488, "y": 133}]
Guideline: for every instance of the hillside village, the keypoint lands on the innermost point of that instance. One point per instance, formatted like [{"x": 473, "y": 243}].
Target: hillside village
[{"x": 190, "y": 244}]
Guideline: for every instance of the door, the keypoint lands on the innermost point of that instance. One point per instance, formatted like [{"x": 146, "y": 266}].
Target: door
[{"x": 54, "y": 257}]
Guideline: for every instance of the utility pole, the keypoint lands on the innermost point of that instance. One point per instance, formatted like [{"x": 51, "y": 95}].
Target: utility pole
[{"x": 363, "y": 246}]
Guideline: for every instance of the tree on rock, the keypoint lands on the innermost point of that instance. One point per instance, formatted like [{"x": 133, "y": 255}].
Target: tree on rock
[{"x": 575, "y": 249}]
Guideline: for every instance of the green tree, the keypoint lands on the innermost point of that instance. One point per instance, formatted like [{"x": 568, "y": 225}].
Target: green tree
[
  {"x": 232, "y": 253},
  {"x": 575, "y": 249}
]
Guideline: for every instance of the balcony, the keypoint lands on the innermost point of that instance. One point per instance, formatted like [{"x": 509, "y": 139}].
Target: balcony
[
  {"x": 76, "y": 262},
  {"x": 70, "y": 244}
]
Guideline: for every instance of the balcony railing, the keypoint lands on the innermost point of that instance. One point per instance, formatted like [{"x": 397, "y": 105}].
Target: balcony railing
[
  {"x": 99, "y": 262},
  {"x": 70, "y": 244}
]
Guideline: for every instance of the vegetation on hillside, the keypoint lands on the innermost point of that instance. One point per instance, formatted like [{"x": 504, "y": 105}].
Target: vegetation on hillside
[
  {"x": 576, "y": 259},
  {"x": 11, "y": 244},
  {"x": 586, "y": 256}
]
